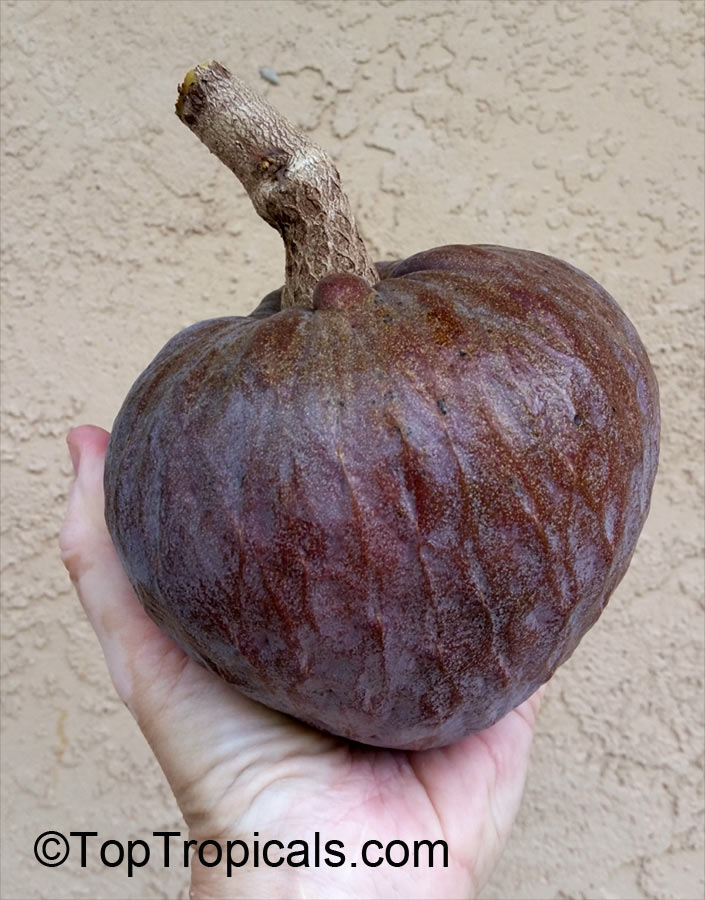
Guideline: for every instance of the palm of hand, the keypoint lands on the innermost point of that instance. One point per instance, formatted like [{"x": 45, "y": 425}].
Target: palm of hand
[{"x": 237, "y": 768}]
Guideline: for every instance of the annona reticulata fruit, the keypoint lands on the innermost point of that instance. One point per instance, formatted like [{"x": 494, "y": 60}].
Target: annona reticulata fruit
[{"x": 391, "y": 500}]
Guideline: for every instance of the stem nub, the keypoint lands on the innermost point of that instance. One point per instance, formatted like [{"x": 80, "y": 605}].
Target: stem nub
[{"x": 292, "y": 183}]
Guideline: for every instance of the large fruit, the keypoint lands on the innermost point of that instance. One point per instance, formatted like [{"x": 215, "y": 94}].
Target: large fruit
[{"x": 388, "y": 502}]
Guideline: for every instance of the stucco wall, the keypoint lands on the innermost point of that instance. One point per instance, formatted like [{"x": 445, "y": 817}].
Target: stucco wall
[{"x": 573, "y": 128}]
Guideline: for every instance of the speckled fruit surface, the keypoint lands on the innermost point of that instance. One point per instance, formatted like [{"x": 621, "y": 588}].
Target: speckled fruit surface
[{"x": 394, "y": 514}]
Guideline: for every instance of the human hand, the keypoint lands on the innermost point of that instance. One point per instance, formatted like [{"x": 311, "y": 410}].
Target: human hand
[{"x": 237, "y": 767}]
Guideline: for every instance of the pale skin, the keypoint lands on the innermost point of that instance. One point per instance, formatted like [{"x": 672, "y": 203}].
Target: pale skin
[{"x": 236, "y": 767}]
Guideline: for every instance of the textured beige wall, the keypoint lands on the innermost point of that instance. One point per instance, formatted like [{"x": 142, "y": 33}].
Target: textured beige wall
[{"x": 573, "y": 128}]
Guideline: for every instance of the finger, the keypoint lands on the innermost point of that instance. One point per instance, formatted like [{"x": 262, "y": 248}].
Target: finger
[
  {"x": 529, "y": 709},
  {"x": 84, "y": 525}
]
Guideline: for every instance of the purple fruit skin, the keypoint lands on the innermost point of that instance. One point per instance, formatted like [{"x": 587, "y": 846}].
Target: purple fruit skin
[{"x": 392, "y": 517}]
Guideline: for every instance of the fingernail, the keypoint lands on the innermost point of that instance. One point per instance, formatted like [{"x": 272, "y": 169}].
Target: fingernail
[{"x": 75, "y": 452}]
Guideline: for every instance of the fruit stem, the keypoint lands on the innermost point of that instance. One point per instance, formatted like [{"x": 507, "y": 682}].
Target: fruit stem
[{"x": 292, "y": 183}]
